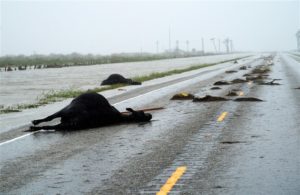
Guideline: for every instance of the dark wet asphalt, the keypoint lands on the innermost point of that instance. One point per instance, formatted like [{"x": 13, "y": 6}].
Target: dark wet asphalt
[{"x": 138, "y": 159}]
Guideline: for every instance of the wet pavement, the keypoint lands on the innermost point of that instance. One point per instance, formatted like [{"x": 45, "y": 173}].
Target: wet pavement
[
  {"x": 261, "y": 154},
  {"x": 253, "y": 149}
]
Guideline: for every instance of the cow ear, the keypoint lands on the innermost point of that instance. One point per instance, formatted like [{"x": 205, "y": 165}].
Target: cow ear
[{"x": 130, "y": 109}]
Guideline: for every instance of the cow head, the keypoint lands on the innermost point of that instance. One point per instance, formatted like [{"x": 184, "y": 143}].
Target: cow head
[{"x": 139, "y": 116}]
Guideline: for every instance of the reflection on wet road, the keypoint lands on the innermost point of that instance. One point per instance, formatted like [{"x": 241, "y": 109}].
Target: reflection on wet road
[{"x": 225, "y": 147}]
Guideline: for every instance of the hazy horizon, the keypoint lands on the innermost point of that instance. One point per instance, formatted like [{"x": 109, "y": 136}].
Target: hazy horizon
[{"x": 105, "y": 27}]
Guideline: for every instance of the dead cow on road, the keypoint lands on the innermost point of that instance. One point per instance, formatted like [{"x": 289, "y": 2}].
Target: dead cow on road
[
  {"x": 90, "y": 110},
  {"x": 119, "y": 79}
]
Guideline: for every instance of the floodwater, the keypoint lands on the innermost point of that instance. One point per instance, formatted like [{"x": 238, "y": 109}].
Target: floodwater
[{"x": 19, "y": 87}]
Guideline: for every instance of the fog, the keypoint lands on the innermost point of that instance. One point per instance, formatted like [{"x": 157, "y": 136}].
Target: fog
[{"x": 104, "y": 27}]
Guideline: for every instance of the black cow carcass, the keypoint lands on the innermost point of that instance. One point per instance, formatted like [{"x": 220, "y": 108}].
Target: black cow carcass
[
  {"x": 119, "y": 79},
  {"x": 90, "y": 110}
]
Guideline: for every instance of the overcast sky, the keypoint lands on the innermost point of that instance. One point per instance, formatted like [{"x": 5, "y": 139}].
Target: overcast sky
[{"x": 104, "y": 27}]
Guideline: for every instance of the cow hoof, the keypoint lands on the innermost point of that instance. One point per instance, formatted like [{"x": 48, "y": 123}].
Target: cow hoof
[
  {"x": 35, "y": 122},
  {"x": 33, "y": 128}
]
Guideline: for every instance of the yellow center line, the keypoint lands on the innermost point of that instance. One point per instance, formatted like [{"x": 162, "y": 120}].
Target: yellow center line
[
  {"x": 165, "y": 189},
  {"x": 222, "y": 116}
]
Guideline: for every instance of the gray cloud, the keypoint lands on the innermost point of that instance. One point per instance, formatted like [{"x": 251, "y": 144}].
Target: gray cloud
[{"x": 105, "y": 27}]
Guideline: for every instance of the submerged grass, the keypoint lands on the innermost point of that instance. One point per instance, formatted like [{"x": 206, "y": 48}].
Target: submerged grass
[
  {"x": 156, "y": 75},
  {"x": 54, "y": 96},
  {"x": 59, "y": 95}
]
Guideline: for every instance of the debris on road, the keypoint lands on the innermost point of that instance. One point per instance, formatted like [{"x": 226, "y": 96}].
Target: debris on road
[
  {"x": 270, "y": 82},
  {"x": 215, "y": 88},
  {"x": 235, "y": 81},
  {"x": 243, "y": 68},
  {"x": 222, "y": 83},
  {"x": 209, "y": 98},
  {"x": 145, "y": 110},
  {"x": 248, "y": 99},
  {"x": 230, "y": 71},
  {"x": 183, "y": 96},
  {"x": 232, "y": 93},
  {"x": 261, "y": 69},
  {"x": 254, "y": 77},
  {"x": 232, "y": 142}
]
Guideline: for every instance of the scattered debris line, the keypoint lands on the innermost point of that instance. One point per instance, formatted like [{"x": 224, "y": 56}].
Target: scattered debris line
[
  {"x": 183, "y": 96},
  {"x": 248, "y": 99},
  {"x": 209, "y": 98}
]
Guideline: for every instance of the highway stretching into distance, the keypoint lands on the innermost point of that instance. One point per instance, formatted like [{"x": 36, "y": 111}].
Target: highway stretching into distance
[{"x": 225, "y": 147}]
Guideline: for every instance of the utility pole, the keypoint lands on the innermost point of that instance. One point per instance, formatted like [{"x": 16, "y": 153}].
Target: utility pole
[
  {"x": 214, "y": 43},
  {"x": 202, "y": 45},
  {"x": 298, "y": 40},
  {"x": 187, "y": 45},
  {"x": 170, "y": 46},
  {"x": 231, "y": 45},
  {"x": 219, "y": 46},
  {"x": 226, "y": 43},
  {"x": 177, "y": 45}
]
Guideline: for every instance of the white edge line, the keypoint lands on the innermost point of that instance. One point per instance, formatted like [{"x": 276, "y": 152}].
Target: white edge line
[{"x": 17, "y": 138}]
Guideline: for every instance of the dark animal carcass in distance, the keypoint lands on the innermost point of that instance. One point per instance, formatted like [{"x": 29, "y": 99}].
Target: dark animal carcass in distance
[
  {"x": 119, "y": 79},
  {"x": 90, "y": 110}
]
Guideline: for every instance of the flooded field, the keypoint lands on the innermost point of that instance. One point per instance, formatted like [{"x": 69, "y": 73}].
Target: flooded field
[{"x": 19, "y": 87}]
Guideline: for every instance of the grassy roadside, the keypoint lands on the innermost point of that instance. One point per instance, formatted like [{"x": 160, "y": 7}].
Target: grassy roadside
[{"x": 55, "y": 96}]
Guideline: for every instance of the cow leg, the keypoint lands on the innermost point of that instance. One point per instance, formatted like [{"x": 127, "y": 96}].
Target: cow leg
[
  {"x": 48, "y": 118},
  {"x": 49, "y": 127}
]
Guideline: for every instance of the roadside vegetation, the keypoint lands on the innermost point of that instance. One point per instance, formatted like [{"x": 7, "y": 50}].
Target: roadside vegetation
[
  {"x": 59, "y": 95},
  {"x": 22, "y": 62}
]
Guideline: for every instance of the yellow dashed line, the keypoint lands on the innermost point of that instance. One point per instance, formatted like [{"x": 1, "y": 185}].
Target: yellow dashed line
[
  {"x": 165, "y": 189},
  {"x": 222, "y": 116}
]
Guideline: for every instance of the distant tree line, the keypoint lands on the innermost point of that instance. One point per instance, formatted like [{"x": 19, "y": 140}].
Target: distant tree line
[{"x": 22, "y": 62}]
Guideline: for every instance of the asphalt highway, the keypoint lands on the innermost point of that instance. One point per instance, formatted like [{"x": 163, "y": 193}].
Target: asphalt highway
[{"x": 189, "y": 147}]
